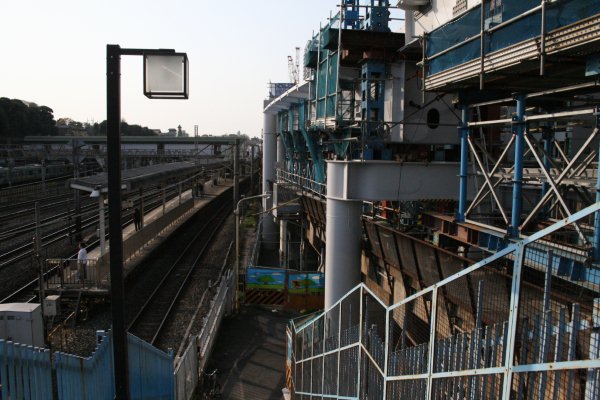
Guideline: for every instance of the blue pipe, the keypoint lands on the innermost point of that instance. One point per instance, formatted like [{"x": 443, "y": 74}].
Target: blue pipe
[
  {"x": 464, "y": 164},
  {"x": 597, "y": 214},
  {"x": 519, "y": 132},
  {"x": 314, "y": 148},
  {"x": 548, "y": 138}
]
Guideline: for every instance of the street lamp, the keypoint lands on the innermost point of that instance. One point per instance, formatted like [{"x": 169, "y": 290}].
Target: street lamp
[
  {"x": 237, "y": 242},
  {"x": 165, "y": 77}
]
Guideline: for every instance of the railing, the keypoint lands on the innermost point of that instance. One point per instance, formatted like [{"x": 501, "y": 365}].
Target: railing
[
  {"x": 525, "y": 335},
  {"x": 306, "y": 184},
  {"x": 219, "y": 305},
  {"x": 139, "y": 240},
  {"x": 69, "y": 272},
  {"x": 191, "y": 363}
]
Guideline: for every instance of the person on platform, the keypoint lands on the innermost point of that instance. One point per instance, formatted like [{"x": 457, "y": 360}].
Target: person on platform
[
  {"x": 81, "y": 261},
  {"x": 137, "y": 219}
]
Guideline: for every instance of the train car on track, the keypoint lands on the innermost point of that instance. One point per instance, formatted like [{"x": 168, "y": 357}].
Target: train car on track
[{"x": 31, "y": 173}]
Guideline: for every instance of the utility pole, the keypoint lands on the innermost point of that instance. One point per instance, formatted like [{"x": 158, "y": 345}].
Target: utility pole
[
  {"x": 38, "y": 256},
  {"x": 77, "y": 194},
  {"x": 251, "y": 169},
  {"x": 236, "y": 172}
]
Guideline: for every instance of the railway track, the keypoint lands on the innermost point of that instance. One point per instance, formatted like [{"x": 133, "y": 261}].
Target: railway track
[
  {"x": 150, "y": 320},
  {"x": 26, "y": 292},
  {"x": 24, "y": 251}
]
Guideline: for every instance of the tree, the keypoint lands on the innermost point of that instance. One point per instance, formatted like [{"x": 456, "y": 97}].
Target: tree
[{"x": 19, "y": 119}]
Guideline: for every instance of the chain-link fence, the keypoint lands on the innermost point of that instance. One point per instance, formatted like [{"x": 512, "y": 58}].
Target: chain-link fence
[{"x": 522, "y": 324}]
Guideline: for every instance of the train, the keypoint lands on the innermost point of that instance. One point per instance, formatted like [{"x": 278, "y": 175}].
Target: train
[{"x": 33, "y": 173}]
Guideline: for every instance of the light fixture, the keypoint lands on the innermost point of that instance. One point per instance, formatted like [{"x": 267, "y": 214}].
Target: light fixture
[
  {"x": 95, "y": 193},
  {"x": 165, "y": 74}
]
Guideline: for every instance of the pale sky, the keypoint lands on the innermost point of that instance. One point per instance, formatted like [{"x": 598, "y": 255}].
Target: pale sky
[{"x": 54, "y": 54}]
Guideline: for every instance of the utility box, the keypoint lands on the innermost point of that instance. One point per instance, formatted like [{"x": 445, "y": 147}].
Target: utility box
[
  {"x": 22, "y": 323},
  {"x": 52, "y": 306}
]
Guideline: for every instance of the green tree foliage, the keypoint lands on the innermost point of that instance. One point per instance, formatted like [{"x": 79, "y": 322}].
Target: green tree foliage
[
  {"x": 99, "y": 129},
  {"x": 18, "y": 119}
]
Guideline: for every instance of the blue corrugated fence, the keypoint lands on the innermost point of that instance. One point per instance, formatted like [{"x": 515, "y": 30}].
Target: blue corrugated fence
[
  {"x": 26, "y": 372},
  {"x": 92, "y": 378}
]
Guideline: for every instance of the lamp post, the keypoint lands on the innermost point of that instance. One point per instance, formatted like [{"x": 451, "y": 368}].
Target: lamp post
[
  {"x": 165, "y": 77},
  {"x": 236, "y": 271}
]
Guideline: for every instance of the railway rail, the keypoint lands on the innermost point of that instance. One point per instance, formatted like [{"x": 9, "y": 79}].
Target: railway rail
[
  {"x": 90, "y": 214},
  {"x": 150, "y": 320}
]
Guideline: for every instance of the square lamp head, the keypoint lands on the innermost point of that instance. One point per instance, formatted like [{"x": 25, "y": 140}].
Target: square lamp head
[{"x": 166, "y": 75}]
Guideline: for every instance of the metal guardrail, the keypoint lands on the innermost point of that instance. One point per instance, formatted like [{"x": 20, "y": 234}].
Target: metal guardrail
[
  {"x": 69, "y": 272},
  {"x": 306, "y": 184},
  {"x": 136, "y": 242},
  {"x": 190, "y": 365},
  {"x": 219, "y": 305},
  {"x": 525, "y": 334}
]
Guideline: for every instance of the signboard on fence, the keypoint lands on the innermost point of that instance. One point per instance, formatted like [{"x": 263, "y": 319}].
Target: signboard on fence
[
  {"x": 265, "y": 278},
  {"x": 312, "y": 282},
  {"x": 275, "y": 279}
]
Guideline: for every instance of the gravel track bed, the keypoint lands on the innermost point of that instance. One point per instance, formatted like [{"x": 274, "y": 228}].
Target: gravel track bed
[{"x": 208, "y": 269}]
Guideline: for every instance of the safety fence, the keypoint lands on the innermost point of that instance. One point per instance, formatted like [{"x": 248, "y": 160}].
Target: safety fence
[
  {"x": 27, "y": 372},
  {"x": 528, "y": 333},
  {"x": 137, "y": 242},
  {"x": 191, "y": 364},
  {"x": 72, "y": 273},
  {"x": 306, "y": 184}
]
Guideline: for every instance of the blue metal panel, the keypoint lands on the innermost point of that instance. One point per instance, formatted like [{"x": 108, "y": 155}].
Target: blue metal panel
[
  {"x": 558, "y": 14},
  {"x": 151, "y": 372},
  {"x": 25, "y": 372},
  {"x": 372, "y": 88},
  {"x": 592, "y": 65},
  {"x": 316, "y": 152}
]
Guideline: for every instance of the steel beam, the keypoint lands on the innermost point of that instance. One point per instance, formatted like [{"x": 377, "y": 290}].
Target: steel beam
[
  {"x": 519, "y": 132},
  {"x": 464, "y": 164}
]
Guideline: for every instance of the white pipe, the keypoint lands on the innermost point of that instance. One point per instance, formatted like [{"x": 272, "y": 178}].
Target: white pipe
[{"x": 269, "y": 231}]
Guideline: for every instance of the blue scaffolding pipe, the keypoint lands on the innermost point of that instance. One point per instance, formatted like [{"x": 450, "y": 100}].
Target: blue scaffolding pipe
[
  {"x": 313, "y": 146},
  {"x": 519, "y": 132},
  {"x": 597, "y": 214},
  {"x": 548, "y": 139},
  {"x": 464, "y": 164}
]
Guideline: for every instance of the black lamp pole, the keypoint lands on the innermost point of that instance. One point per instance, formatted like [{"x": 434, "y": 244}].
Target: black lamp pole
[
  {"x": 117, "y": 286},
  {"x": 113, "y": 133}
]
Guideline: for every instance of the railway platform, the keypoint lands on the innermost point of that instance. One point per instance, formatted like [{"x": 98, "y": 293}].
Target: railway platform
[{"x": 137, "y": 245}]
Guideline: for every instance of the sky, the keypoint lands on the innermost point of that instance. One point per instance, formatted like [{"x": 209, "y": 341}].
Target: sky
[{"x": 54, "y": 54}]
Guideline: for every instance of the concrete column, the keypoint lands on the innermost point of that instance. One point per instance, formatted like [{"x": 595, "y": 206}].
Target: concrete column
[
  {"x": 342, "y": 249},
  {"x": 269, "y": 227},
  {"x": 283, "y": 245}
]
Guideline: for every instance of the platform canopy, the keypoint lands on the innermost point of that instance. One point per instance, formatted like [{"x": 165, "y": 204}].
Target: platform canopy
[{"x": 134, "y": 178}]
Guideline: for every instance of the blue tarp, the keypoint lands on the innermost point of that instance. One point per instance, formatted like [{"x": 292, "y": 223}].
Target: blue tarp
[{"x": 558, "y": 14}]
